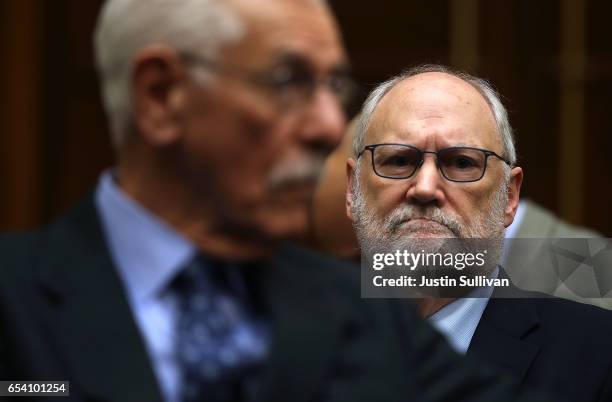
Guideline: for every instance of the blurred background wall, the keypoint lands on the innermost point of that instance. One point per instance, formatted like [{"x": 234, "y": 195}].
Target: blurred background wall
[{"x": 551, "y": 60}]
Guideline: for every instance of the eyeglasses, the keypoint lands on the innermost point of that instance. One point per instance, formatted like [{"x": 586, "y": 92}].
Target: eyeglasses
[
  {"x": 292, "y": 82},
  {"x": 459, "y": 164}
]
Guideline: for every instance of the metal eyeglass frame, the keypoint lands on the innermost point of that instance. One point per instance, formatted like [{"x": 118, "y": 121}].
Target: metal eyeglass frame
[{"x": 487, "y": 153}]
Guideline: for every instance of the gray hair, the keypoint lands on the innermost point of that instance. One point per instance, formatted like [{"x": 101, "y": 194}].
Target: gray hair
[
  {"x": 126, "y": 26},
  {"x": 483, "y": 87}
]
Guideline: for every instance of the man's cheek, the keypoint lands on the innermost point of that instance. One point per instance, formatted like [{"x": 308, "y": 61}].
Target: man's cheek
[{"x": 386, "y": 200}]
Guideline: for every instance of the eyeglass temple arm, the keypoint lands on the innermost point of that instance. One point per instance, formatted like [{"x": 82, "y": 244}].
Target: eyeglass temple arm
[{"x": 491, "y": 153}]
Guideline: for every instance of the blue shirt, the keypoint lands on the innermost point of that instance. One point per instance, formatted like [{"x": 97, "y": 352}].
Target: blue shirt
[
  {"x": 458, "y": 320},
  {"x": 146, "y": 265}
]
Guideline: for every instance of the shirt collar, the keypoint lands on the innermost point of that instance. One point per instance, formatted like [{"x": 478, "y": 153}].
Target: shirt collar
[
  {"x": 458, "y": 320},
  {"x": 147, "y": 252}
]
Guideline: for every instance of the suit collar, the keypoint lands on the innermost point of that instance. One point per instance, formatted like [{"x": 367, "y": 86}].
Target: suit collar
[
  {"x": 88, "y": 314},
  {"x": 503, "y": 336},
  {"x": 146, "y": 264}
]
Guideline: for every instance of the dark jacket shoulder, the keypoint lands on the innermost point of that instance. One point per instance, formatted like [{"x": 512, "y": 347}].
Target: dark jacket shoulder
[{"x": 548, "y": 344}]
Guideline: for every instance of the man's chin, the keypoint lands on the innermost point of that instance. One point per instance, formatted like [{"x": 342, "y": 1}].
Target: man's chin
[
  {"x": 287, "y": 223},
  {"x": 292, "y": 193}
]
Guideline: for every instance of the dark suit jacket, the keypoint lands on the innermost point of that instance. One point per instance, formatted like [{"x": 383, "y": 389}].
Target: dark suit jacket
[
  {"x": 556, "y": 345},
  {"x": 64, "y": 316}
]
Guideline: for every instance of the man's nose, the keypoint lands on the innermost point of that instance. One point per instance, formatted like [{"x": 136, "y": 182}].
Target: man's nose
[
  {"x": 325, "y": 122},
  {"x": 426, "y": 184}
]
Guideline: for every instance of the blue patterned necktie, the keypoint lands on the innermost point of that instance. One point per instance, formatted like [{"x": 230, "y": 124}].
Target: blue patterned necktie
[{"x": 220, "y": 346}]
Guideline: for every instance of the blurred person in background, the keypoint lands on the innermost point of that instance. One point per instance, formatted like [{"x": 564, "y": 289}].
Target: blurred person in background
[{"x": 172, "y": 281}]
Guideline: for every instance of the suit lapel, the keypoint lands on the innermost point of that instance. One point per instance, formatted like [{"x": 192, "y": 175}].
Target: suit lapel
[
  {"x": 88, "y": 314},
  {"x": 306, "y": 329},
  {"x": 503, "y": 335}
]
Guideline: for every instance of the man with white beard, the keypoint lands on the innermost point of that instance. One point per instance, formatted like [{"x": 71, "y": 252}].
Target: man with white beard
[{"x": 433, "y": 160}]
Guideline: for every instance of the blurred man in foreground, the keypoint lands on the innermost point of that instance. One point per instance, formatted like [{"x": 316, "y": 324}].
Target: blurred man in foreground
[
  {"x": 170, "y": 281},
  {"x": 433, "y": 159}
]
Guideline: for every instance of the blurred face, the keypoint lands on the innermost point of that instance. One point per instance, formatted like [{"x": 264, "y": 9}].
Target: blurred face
[
  {"x": 431, "y": 111},
  {"x": 254, "y": 151}
]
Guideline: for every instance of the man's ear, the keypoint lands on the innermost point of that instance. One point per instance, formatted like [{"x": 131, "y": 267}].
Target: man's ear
[
  {"x": 157, "y": 78},
  {"x": 350, "y": 174},
  {"x": 514, "y": 193}
]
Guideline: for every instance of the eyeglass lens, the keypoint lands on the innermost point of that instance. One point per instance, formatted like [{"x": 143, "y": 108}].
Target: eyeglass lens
[
  {"x": 295, "y": 83},
  {"x": 457, "y": 164}
]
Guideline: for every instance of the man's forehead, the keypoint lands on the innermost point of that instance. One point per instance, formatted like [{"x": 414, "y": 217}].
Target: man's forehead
[{"x": 432, "y": 98}]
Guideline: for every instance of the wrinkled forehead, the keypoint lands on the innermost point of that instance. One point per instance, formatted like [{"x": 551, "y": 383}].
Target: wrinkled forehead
[
  {"x": 434, "y": 104},
  {"x": 305, "y": 28}
]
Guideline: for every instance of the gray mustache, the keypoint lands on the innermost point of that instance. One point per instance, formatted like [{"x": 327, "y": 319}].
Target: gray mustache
[
  {"x": 406, "y": 213},
  {"x": 294, "y": 172}
]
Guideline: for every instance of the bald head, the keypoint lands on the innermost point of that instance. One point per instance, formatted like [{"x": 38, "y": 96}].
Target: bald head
[
  {"x": 436, "y": 106},
  {"x": 426, "y": 73}
]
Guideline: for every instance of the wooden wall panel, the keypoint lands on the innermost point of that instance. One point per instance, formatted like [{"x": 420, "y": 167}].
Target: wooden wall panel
[
  {"x": 20, "y": 111},
  {"x": 520, "y": 56},
  {"x": 385, "y": 38},
  {"x": 77, "y": 144},
  {"x": 598, "y": 117}
]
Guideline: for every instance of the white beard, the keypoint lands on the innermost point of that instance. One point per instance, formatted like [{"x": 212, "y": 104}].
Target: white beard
[{"x": 436, "y": 231}]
